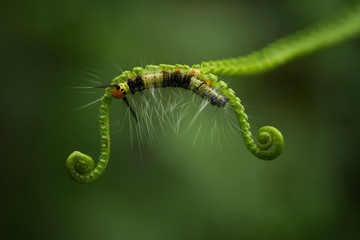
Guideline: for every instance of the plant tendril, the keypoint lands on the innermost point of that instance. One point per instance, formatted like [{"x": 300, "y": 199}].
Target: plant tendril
[
  {"x": 341, "y": 27},
  {"x": 270, "y": 143},
  {"x": 268, "y": 138},
  {"x": 82, "y": 167}
]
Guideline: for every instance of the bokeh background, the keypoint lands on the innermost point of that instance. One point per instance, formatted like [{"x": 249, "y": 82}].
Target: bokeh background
[{"x": 174, "y": 188}]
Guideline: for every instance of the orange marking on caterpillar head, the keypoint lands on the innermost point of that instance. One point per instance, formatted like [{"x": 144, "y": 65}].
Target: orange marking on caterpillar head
[
  {"x": 177, "y": 70},
  {"x": 207, "y": 83},
  {"x": 193, "y": 74},
  {"x": 117, "y": 94}
]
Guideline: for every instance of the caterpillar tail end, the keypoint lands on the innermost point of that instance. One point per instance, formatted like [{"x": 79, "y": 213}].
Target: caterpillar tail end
[
  {"x": 270, "y": 143},
  {"x": 81, "y": 167}
]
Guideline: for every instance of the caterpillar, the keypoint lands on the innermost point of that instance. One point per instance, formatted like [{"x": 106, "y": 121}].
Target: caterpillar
[
  {"x": 194, "y": 81},
  {"x": 201, "y": 80}
]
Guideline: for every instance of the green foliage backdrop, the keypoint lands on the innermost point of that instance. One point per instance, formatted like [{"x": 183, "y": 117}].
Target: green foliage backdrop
[{"x": 175, "y": 189}]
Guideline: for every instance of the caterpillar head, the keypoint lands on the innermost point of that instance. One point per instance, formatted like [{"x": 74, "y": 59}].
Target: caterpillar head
[{"x": 120, "y": 90}]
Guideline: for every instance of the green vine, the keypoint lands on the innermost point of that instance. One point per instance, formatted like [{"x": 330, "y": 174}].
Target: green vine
[
  {"x": 341, "y": 27},
  {"x": 270, "y": 143}
]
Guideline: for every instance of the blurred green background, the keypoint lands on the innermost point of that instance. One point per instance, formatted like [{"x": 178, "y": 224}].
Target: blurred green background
[{"x": 176, "y": 189}]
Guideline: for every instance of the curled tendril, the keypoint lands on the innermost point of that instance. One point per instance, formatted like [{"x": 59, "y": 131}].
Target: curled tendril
[
  {"x": 270, "y": 142},
  {"x": 82, "y": 167},
  {"x": 269, "y": 137}
]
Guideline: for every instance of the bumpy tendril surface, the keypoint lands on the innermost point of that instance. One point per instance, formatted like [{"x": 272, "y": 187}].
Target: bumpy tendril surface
[
  {"x": 270, "y": 142},
  {"x": 341, "y": 27},
  {"x": 82, "y": 167}
]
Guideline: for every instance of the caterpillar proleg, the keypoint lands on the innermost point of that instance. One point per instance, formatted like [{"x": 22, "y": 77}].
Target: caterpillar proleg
[{"x": 201, "y": 80}]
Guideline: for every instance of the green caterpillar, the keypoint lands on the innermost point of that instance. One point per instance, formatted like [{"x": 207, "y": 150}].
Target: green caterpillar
[{"x": 201, "y": 80}]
